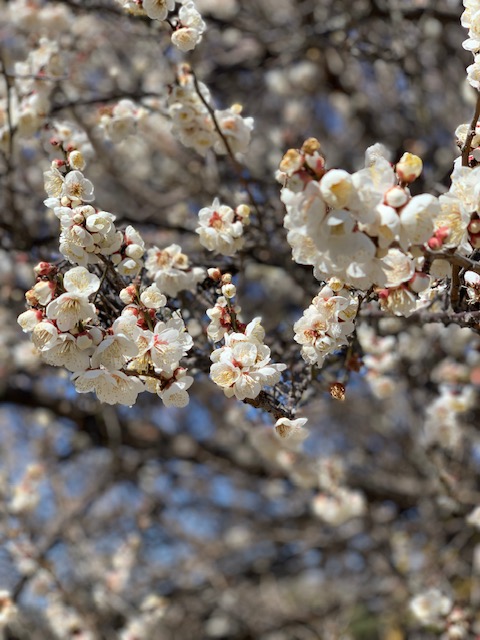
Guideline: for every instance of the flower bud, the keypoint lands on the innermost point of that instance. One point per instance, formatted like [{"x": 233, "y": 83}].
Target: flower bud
[
  {"x": 291, "y": 162},
  {"x": 409, "y": 167},
  {"x": 76, "y": 160},
  {"x": 396, "y": 197},
  {"x": 214, "y": 273},
  {"x": 229, "y": 290},
  {"x": 45, "y": 269},
  {"x": 310, "y": 146}
]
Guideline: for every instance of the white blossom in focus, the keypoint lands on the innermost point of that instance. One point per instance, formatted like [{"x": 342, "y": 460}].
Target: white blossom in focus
[
  {"x": 325, "y": 325},
  {"x": 242, "y": 367},
  {"x": 221, "y": 228}
]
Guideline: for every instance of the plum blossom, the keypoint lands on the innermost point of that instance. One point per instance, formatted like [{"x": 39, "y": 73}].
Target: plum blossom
[
  {"x": 191, "y": 27},
  {"x": 286, "y": 428},
  {"x": 158, "y": 9},
  {"x": 242, "y": 367},
  {"x": 171, "y": 271},
  {"x": 338, "y": 508},
  {"x": 112, "y": 387},
  {"x": 325, "y": 325},
  {"x": 77, "y": 188},
  {"x": 192, "y": 121},
  {"x": 168, "y": 343},
  {"x": 72, "y": 306},
  {"x": 221, "y": 228},
  {"x": 173, "y": 391},
  {"x": 431, "y": 607},
  {"x": 472, "y": 280}
]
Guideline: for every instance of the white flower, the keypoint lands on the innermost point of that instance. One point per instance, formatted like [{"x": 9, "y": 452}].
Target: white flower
[
  {"x": 325, "y": 325},
  {"x": 170, "y": 268},
  {"x": 337, "y": 188},
  {"x": 67, "y": 352},
  {"x": 43, "y": 291},
  {"x": 45, "y": 335},
  {"x": 186, "y": 38},
  {"x": 99, "y": 221},
  {"x": 399, "y": 267},
  {"x": 340, "y": 507},
  {"x": 29, "y": 319},
  {"x": 236, "y": 129},
  {"x": 174, "y": 392},
  {"x": 416, "y": 220},
  {"x": 242, "y": 367},
  {"x": 158, "y": 9},
  {"x": 169, "y": 342},
  {"x": 466, "y": 186},
  {"x": 152, "y": 298},
  {"x": 77, "y": 188},
  {"x": 472, "y": 280},
  {"x": 115, "y": 349},
  {"x": 286, "y": 428},
  {"x": 191, "y": 28},
  {"x": 69, "y": 309},
  {"x": 112, "y": 387},
  {"x": 431, "y": 607},
  {"x": 399, "y": 301},
  {"x": 53, "y": 182},
  {"x": 219, "y": 229},
  {"x": 80, "y": 281}
]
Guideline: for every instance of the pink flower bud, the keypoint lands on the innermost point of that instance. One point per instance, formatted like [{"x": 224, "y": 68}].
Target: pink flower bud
[
  {"x": 45, "y": 269},
  {"x": 434, "y": 243}
]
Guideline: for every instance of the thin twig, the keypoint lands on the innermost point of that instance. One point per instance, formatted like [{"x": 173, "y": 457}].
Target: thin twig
[{"x": 471, "y": 133}]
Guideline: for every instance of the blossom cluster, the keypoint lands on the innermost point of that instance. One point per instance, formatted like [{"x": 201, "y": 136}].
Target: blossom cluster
[
  {"x": 443, "y": 424},
  {"x": 241, "y": 367},
  {"x": 433, "y": 609},
  {"x": 326, "y": 323},
  {"x": 171, "y": 271},
  {"x": 368, "y": 231},
  {"x": 221, "y": 228},
  {"x": 188, "y": 26},
  {"x": 141, "y": 349},
  {"x": 194, "y": 125},
  {"x": 88, "y": 235},
  {"x": 24, "y": 110},
  {"x": 120, "y": 120}
]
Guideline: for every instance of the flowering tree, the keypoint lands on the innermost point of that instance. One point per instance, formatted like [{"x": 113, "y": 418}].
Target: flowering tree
[{"x": 211, "y": 280}]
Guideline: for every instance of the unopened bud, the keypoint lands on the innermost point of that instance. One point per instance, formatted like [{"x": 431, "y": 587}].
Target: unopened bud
[
  {"x": 409, "y": 167},
  {"x": 310, "y": 146},
  {"x": 243, "y": 211},
  {"x": 129, "y": 294},
  {"x": 214, "y": 273},
  {"x": 292, "y": 161},
  {"x": 45, "y": 269},
  {"x": 396, "y": 197},
  {"x": 474, "y": 226}
]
